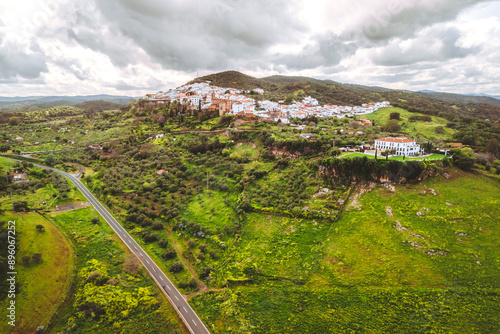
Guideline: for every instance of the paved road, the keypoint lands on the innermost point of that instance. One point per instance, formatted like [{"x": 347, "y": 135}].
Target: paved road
[{"x": 182, "y": 307}]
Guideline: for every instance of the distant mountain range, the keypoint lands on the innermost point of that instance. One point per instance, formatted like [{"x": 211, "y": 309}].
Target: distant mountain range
[
  {"x": 278, "y": 87},
  {"x": 26, "y": 103}
]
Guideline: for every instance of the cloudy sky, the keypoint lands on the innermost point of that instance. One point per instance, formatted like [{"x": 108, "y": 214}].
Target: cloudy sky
[{"x": 131, "y": 47}]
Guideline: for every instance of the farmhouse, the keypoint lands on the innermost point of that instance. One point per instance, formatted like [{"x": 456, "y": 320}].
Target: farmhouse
[{"x": 402, "y": 145}]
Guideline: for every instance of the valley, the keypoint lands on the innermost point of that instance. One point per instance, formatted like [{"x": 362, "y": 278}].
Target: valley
[{"x": 263, "y": 227}]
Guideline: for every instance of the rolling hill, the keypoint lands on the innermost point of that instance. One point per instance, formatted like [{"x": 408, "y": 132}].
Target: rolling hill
[
  {"x": 33, "y": 103},
  {"x": 279, "y": 87}
]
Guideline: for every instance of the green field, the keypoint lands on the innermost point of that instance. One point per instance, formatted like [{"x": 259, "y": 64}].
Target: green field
[
  {"x": 121, "y": 294},
  {"x": 417, "y": 129},
  {"x": 48, "y": 193},
  {"x": 209, "y": 208},
  {"x": 436, "y": 272},
  {"x": 44, "y": 284}
]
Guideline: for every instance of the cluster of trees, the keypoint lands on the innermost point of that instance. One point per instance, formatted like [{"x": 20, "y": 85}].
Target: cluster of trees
[
  {"x": 424, "y": 118},
  {"x": 60, "y": 183},
  {"x": 203, "y": 145},
  {"x": 392, "y": 126},
  {"x": 475, "y": 132},
  {"x": 464, "y": 158},
  {"x": 286, "y": 193},
  {"x": 302, "y": 145},
  {"x": 37, "y": 257},
  {"x": 356, "y": 169}
]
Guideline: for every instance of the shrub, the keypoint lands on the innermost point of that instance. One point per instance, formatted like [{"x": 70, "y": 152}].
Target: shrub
[
  {"x": 176, "y": 267},
  {"x": 157, "y": 226},
  {"x": 132, "y": 265},
  {"x": 395, "y": 115},
  {"x": 163, "y": 243},
  {"x": 169, "y": 254},
  {"x": 463, "y": 158},
  {"x": 213, "y": 253},
  {"x": 205, "y": 272},
  {"x": 94, "y": 276},
  {"x": 439, "y": 129},
  {"x": 150, "y": 237},
  {"x": 392, "y": 126}
]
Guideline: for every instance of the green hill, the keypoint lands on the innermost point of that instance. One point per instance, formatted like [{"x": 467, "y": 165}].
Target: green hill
[{"x": 277, "y": 87}]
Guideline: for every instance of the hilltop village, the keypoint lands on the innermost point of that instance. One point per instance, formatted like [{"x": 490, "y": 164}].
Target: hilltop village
[{"x": 204, "y": 96}]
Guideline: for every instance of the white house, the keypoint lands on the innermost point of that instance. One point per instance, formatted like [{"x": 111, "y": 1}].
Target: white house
[{"x": 402, "y": 145}]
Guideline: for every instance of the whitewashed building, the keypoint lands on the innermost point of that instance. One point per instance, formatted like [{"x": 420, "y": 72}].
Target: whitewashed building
[{"x": 402, "y": 145}]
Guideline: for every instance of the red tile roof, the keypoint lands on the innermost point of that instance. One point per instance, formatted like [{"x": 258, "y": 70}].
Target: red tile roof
[{"x": 396, "y": 140}]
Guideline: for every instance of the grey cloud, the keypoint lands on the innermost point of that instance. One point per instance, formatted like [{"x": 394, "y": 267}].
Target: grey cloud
[
  {"x": 17, "y": 62},
  {"x": 151, "y": 85},
  {"x": 74, "y": 66},
  {"x": 402, "y": 19},
  {"x": 392, "y": 78},
  {"x": 187, "y": 35},
  {"x": 437, "y": 45},
  {"x": 380, "y": 28},
  {"x": 327, "y": 50}
]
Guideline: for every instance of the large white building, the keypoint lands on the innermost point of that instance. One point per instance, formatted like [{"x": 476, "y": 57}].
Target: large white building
[{"x": 402, "y": 145}]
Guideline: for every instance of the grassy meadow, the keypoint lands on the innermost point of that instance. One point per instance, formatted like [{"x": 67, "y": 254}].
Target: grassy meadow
[
  {"x": 406, "y": 261},
  {"x": 44, "y": 284},
  {"x": 123, "y": 294},
  {"x": 417, "y": 129}
]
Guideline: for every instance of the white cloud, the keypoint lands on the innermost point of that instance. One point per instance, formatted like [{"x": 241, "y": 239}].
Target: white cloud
[{"x": 131, "y": 47}]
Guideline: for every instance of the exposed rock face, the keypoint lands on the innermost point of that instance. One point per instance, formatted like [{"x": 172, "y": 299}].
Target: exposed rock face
[
  {"x": 417, "y": 241},
  {"x": 422, "y": 212},
  {"x": 388, "y": 211}
]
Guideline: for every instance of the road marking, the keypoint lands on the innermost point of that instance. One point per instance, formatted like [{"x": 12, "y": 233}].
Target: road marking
[
  {"x": 176, "y": 298},
  {"x": 194, "y": 323},
  {"x": 147, "y": 261},
  {"x": 184, "y": 309},
  {"x": 161, "y": 278},
  {"x": 135, "y": 248}
]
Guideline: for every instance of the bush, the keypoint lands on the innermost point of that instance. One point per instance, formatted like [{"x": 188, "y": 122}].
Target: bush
[
  {"x": 439, "y": 129},
  {"x": 213, "y": 253},
  {"x": 95, "y": 220},
  {"x": 463, "y": 158},
  {"x": 163, "y": 243},
  {"x": 395, "y": 115},
  {"x": 205, "y": 272},
  {"x": 94, "y": 276},
  {"x": 157, "y": 226},
  {"x": 132, "y": 265},
  {"x": 392, "y": 126},
  {"x": 176, "y": 267},
  {"x": 150, "y": 237},
  {"x": 169, "y": 254}
]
